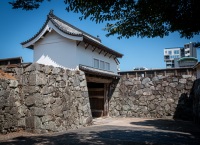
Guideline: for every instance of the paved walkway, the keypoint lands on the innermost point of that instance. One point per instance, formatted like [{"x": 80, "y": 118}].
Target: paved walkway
[{"x": 119, "y": 131}]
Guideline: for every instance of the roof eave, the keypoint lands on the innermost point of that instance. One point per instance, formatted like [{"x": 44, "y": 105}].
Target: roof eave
[{"x": 117, "y": 54}]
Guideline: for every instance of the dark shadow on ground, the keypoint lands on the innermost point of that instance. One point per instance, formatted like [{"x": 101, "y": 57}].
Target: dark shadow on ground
[
  {"x": 172, "y": 125},
  {"x": 184, "y": 108},
  {"x": 111, "y": 135}
]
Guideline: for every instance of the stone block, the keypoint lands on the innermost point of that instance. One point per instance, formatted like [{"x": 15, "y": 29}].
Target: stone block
[
  {"x": 168, "y": 89},
  {"x": 30, "y": 100},
  {"x": 173, "y": 84},
  {"x": 51, "y": 126},
  {"x": 152, "y": 106},
  {"x": 167, "y": 107},
  {"x": 150, "y": 98},
  {"x": 147, "y": 92},
  {"x": 30, "y": 89},
  {"x": 47, "y": 90},
  {"x": 58, "y": 78},
  {"x": 159, "y": 87},
  {"x": 165, "y": 83},
  {"x": 22, "y": 122},
  {"x": 47, "y": 118},
  {"x": 182, "y": 81},
  {"x": 13, "y": 83},
  {"x": 30, "y": 122},
  {"x": 139, "y": 92},
  {"x": 33, "y": 122},
  {"x": 75, "y": 82},
  {"x": 83, "y": 83},
  {"x": 146, "y": 80},
  {"x": 32, "y": 79},
  {"x": 57, "y": 110},
  {"x": 37, "y": 111},
  {"x": 56, "y": 70},
  {"x": 186, "y": 76},
  {"x": 41, "y": 79},
  {"x": 180, "y": 87},
  {"x": 170, "y": 100},
  {"x": 128, "y": 83},
  {"x": 175, "y": 79}
]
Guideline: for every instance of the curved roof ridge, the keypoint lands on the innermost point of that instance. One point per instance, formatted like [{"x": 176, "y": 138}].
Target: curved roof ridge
[
  {"x": 51, "y": 15},
  {"x": 53, "y": 18},
  {"x": 44, "y": 25},
  {"x": 68, "y": 29}
]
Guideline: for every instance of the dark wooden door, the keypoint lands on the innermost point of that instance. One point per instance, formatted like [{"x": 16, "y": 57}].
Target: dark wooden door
[{"x": 96, "y": 96}]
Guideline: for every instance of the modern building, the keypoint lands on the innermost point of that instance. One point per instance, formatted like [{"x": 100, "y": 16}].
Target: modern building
[
  {"x": 197, "y": 67},
  {"x": 171, "y": 55},
  {"x": 181, "y": 56},
  {"x": 187, "y": 62},
  {"x": 190, "y": 50}
]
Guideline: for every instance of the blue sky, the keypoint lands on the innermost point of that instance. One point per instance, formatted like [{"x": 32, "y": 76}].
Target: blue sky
[{"x": 18, "y": 26}]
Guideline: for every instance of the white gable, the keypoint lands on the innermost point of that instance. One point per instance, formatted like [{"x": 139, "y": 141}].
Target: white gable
[{"x": 56, "y": 50}]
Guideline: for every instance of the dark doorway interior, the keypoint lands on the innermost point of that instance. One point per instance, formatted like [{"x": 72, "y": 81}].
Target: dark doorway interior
[{"x": 96, "y": 96}]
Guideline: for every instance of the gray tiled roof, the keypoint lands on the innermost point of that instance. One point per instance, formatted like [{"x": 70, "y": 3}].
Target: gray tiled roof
[
  {"x": 99, "y": 72},
  {"x": 72, "y": 30},
  {"x": 64, "y": 27}
]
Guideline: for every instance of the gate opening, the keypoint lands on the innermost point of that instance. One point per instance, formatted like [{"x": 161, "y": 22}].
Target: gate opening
[{"x": 97, "y": 98}]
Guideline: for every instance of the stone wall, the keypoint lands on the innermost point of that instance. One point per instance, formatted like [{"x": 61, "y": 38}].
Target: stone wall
[
  {"x": 195, "y": 95},
  {"x": 152, "y": 97},
  {"x": 51, "y": 99},
  {"x": 9, "y": 105}
]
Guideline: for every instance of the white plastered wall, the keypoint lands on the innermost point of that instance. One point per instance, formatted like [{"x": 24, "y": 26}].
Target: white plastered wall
[
  {"x": 86, "y": 57},
  {"x": 56, "y": 50},
  {"x": 59, "y": 51}
]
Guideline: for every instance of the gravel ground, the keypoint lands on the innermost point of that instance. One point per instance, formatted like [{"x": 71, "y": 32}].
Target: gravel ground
[{"x": 116, "y": 131}]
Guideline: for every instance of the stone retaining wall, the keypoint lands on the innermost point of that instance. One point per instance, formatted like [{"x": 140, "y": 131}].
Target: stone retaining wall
[
  {"x": 155, "y": 97},
  {"x": 51, "y": 99},
  {"x": 9, "y": 105},
  {"x": 195, "y": 95}
]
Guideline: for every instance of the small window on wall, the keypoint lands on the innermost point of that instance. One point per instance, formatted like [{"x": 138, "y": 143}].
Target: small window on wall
[
  {"x": 102, "y": 65},
  {"x": 176, "y": 51},
  {"x": 96, "y": 63},
  {"x": 107, "y": 66}
]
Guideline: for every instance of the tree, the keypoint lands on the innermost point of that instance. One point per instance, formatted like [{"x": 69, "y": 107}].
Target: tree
[{"x": 142, "y": 18}]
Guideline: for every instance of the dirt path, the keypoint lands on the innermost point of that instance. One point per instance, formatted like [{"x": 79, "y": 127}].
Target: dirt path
[{"x": 116, "y": 131}]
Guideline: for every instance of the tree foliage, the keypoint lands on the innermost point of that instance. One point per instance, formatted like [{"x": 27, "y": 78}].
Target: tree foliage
[{"x": 142, "y": 18}]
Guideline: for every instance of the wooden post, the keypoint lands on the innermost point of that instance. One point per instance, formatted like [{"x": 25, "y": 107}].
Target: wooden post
[
  {"x": 155, "y": 73},
  {"x": 165, "y": 73},
  {"x": 145, "y": 74},
  {"x": 127, "y": 75},
  {"x": 187, "y": 72},
  {"x": 175, "y": 72},
  {"x": 136, "y": 74},
  {"x": 105, "y": 112}
]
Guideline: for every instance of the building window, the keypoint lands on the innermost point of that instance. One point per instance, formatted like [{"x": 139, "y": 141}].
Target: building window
[
  {"x": 96, "y": 63},
  {"x": 169, "y": 52},
  {"x": 101, "y": 64},
  {"x": 107, "y": 66},
  {"x": 176, "y": 51}
]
